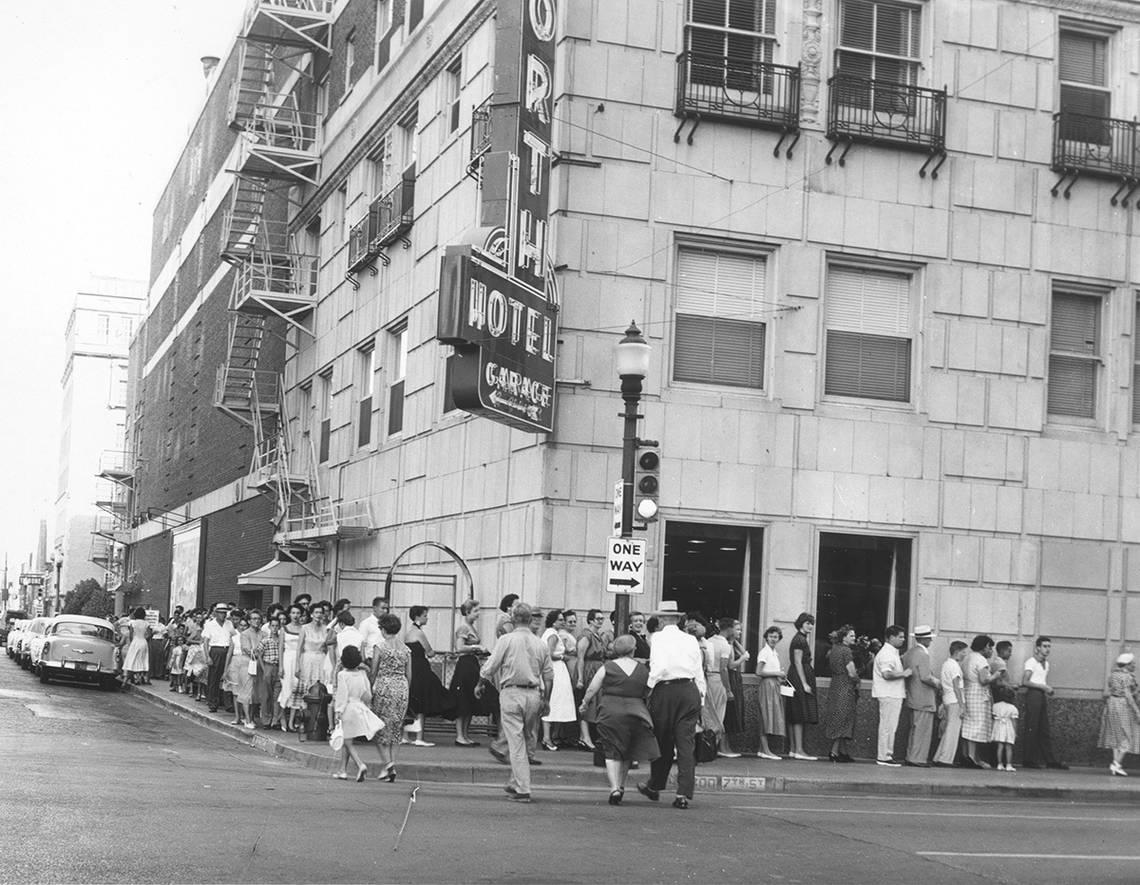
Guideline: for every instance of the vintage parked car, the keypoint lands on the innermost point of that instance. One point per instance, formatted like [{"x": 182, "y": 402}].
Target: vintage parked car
[
  {"x": 10, "y": 618},
  {"x": 15, "y": 632},
  {"x": 79, "y": 648},
  {"x": 35, "y": 627}
]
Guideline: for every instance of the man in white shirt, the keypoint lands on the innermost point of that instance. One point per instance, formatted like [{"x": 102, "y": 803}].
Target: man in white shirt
[
  {"x": 1036, "y": 742},
  {"x": 953, "y": 702},
  {"x": 888, "y": 686},
  {"x": 370, "y": 627},
  {"x": 216, "y": 633},
  {"x": 677, "y": 690}
]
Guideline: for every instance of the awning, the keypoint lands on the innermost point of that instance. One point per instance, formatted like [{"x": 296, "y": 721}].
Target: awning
[{"x": 274, "y": 573}]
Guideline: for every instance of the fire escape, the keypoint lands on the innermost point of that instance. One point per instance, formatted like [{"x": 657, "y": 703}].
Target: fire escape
[
  {"x": 272, "y": 106},
  {"x": 112, "y": 496}
]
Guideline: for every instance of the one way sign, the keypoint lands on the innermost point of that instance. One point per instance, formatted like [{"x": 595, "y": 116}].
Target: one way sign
[{"x": 625, "y": 565}]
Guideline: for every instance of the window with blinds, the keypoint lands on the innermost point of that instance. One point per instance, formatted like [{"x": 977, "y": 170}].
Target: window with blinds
[
  {"x": 869, "y": 334},
  {"x": 1086, "y": 101},
  {"x": 732, "y": 30},
  {"x": 879, "y": 41},
  {"x": 719, "y": 329},
  {"x": 1074, "y": 355},
  {"x": 1136, "y": 367}
]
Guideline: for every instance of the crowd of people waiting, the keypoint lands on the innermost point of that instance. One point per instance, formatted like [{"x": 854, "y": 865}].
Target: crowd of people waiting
[{"x": 261, "y": 667}]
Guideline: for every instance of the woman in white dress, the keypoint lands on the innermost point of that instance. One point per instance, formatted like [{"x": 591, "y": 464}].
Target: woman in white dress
[
  {"x": 290, "y": 649},
  {"x": 562, "y": 694},
  {"x": 136, "y": 659},
  {"x": 351, "y": 703}
]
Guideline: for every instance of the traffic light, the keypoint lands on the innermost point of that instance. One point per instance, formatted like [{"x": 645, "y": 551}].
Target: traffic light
[{"x": 647, "y": 485}]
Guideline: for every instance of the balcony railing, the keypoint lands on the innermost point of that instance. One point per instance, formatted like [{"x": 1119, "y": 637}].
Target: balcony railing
[
  {"x": 393, "y": 213},
  {"x": 481, "y": 129},
  {"x": 278, "y": 276},
  {"x": 867, "y": 110},
  {"x": 274, "y": 122},
  {"x": 240, "y": 389},
  {"x": 740, "y": 90},
  {"x": 360, "y": 242},
  {"x": 115, "y": 465},
  {"x": 1096, "y": 145},
  {"x": 289, "y": 21}
]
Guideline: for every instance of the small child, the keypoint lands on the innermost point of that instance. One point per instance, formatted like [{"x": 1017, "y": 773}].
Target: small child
[
  {"x": 194, "y": 669},
  {"x": 177, "y": 661},
  {"x": 1005, "y": 727}
]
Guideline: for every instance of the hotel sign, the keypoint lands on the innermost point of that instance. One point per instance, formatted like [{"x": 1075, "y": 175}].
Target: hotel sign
[{"x": 496, "y": 303}]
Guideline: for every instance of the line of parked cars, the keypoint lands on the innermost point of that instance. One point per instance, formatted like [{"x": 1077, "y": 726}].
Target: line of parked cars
[{"x": 76, "y": 648}]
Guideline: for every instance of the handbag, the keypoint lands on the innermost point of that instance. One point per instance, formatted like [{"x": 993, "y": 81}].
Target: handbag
[
  {"x": 336, "y": 739},
  {"x": 787, "y": 689},
  {"x": 705, "y": 746},
  {"x": 251, "y": 669}
]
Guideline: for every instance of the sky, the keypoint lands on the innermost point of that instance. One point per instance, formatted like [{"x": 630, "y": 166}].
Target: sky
[{"x": 97, "y": 105}]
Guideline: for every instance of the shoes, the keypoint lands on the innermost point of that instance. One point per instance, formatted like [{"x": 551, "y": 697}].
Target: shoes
[
  {"x": 236, "y": 722},
  {"x": 361, "y": 774},
  {"x": 460, "y": 743},
  {"x": 510, "y": 790},
  {"x": 910, "y": 764},
  {"x": 1117, "y": 770},
  {"x": 1010, "y": 768},
  {"x": 420, "y": 742},
  {"x": 803, "y": 757},
  {"x": 681, "y": 802},
  {"x": 174, "y": 688},
  {"x": 534, "y": 761},
  {"x": 249, "y": 725},
  {"x": 341, "y": 776},
  {"x": 729, "y": 755},
  {"x": 889, "y": 763},
  {"x": 616, "y": 796},
  {"x": 649, "y": 793},
  {"x": 582, "y": 745},
  {"x": 547, "y": 745},
  {"x": 768, "y": 756},
  {"x": 943, "y": 764},
  {"x": 519, "y": 797},
  {"x": 212, "y": 709},
  {"x": 834, "y": 757},
  {"x": 388, "y": 774},
  {"x": 985, "y": 766},
  {"x": 1059, "y": 766},
  {"x": 499, "y": 757}
]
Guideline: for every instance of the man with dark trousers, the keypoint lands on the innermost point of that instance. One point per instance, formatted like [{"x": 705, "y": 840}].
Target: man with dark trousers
[
  {"x": 677, "y": 690},
  {"x": 216, "y": 635},
  {"x": 1036, "y": 743}
]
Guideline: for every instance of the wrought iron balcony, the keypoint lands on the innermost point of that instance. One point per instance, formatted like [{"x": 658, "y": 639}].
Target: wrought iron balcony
[
  {"x": 393, "y": 213},
  {"x": 881, "y": 111},
  {"x": 738, "y": 90},
  {"x": 1096, "y": 145},
  {"x": 481, "y": 129},
  {"x": 360, "y": 241}
]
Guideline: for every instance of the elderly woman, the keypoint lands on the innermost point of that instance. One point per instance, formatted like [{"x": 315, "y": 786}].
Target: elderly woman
[
  {"x": 844, "y": 693},
  {"x": 977, "y": 716},
  {"x": 1120, "y": 724},
  {"x": 625, "y": 730}
]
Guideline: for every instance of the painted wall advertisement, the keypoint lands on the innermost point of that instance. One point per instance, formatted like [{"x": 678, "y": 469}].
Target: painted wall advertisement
[
  {"x": 185, "y": 566},
  {"x": 497, "y": 305}
]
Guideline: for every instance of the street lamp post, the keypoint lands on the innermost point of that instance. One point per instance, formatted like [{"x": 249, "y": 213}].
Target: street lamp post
[{"x": 633, "y": 367}]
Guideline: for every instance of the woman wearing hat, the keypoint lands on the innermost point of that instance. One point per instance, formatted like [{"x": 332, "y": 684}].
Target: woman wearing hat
[{"x": 1120, "y": 724}]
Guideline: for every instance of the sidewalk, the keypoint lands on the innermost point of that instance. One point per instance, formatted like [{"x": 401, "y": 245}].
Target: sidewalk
[{"x": 446, "y": 763}]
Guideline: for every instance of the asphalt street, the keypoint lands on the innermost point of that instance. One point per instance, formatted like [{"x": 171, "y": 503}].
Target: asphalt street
[{"x": 102, "y": 787}]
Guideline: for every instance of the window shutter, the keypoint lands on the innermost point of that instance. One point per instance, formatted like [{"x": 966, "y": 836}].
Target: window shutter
[
  {"x": 1083, "y": 58},
  {"x": 719, "y": 338},
  {"x": 868, "y": 319},
  {"x": 857, "y": 25},
  {"x": 1074, "y": 344}
]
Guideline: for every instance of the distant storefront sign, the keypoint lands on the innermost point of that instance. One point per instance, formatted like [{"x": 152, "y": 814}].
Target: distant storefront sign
[{"x": 497, "y": 305}]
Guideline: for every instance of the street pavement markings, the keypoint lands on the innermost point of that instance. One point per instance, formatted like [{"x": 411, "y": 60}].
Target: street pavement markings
[
  {"x": 999, "y": 856},
  {"x": 862, "y": 812}
]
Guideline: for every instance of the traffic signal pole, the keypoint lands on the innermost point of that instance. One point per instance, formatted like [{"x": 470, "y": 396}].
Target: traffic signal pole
[{"x": 631, "y": 394}]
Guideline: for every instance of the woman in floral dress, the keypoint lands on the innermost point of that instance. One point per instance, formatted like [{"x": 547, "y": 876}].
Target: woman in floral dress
[
  {"x": 977, "y": 714},
  {"x": 391, "y": 674}
]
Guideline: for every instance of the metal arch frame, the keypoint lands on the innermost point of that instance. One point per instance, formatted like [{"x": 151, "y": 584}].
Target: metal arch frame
[{"x": 438, "y": 546}]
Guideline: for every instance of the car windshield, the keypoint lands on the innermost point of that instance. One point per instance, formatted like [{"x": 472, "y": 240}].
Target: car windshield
[{"x": 92, "y": 630}]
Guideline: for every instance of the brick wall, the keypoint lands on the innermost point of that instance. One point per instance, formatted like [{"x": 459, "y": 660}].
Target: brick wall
[
  {"x": 238, "y": 539},
  {"x": 149, "y": 564},
  {"x": 358, "y": 21}
]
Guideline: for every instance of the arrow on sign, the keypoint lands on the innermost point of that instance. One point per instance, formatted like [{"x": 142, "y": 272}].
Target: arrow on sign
[{"x": 628, "y": 582}]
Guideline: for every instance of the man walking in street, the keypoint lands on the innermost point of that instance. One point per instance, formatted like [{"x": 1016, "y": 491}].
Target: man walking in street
[
  {"x": 216, "y": 634},
  {"x": 953, "y": 702},
  {"x": 889, "y": 688},
  {"x": 921, "y": 697},
  {"x": 677, "y": 691},
  {"x": 520, "y": 663},
  {"x": 1036, "y": 742}
]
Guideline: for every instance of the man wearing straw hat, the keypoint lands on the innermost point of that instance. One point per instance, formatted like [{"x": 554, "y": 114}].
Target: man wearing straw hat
[
  {"x": 677, "y": 684},
  {"x": 921, "y": 697}
]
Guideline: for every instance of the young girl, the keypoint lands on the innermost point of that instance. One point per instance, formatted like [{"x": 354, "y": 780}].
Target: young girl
[
  {"x": 353, "y": 711},
  {"x": 177, "y": 660},
  {"x": 1005, "y": 727}
]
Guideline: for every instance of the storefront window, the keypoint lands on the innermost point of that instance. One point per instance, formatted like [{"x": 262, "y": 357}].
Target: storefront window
[
  {"x": 863, "y": 581},
  {"x": 715, "y": 570}
]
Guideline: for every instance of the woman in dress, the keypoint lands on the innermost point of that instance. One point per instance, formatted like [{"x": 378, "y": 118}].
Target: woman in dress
[
  {"x": 592, "y": 649},
  {"x": 136, "y": 658},
  {"x": 288, "y": 697},
  {"x": 312, "y": 660},
  {"x": 977, "y": 715},
  {"x": 1120, "y": 724},
  {"x": 802, "y": 708},
  {"x": 237, "y": 677},
  {"x": 844, "y": 693},
  {"x": 562, "y": 694},
  {"x": 391, "y": 675},
  {"x": 771, "y": 673},
  {"x": 568, "y": 734},
  {"x": 427, "y": 696},
  {"x": 468, "y": 647},
  {"x": 734, "y": 715},
  {"x": 351, "y": 705},
  {"x": 625, "y": 729}
]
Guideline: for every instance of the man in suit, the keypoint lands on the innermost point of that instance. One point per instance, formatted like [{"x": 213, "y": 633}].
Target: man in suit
[{"x": 921, "y": 697}]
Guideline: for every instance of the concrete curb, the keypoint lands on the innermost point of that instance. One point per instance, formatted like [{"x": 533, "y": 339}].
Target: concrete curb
[{"x": 318, "y": 757}]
